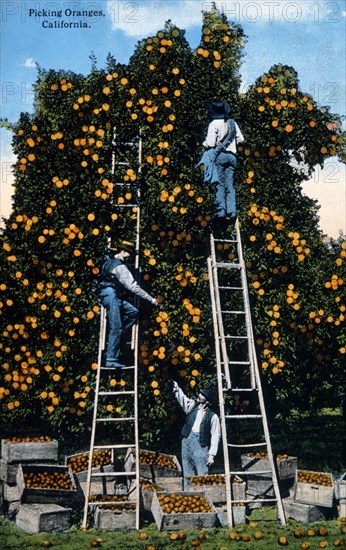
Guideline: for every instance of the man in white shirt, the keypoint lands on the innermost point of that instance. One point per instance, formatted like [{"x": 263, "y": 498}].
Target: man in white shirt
[
  {"x": 121, "y": 315},
  {"x": 200, "y": 433},
  {"x": 222, "y": 137}
]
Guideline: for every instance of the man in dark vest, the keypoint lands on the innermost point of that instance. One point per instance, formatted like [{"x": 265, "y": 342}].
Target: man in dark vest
[
  {"x": 121, "y": 315},
  {"x": 200, "y": 433}
]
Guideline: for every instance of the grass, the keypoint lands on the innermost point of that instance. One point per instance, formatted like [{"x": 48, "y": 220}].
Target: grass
[{"x": 262, "y": 521}]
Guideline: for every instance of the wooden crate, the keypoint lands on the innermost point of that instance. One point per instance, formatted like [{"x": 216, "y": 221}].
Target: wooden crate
[
  {"x": 314, "y": 493},
  {"x": 340, "y": 488},
  {"x": 147, "y": 490},
  {"x": 304, "y": 513},
  {"x": 48, "y": 518},
  {"x": 239, "y": 513},
  {"x": 286, "y": 467},
  {"x": 79, "y": 463},
  {"x": 216, "y": 492},
  {"x": 31, "y": 451},
  {"x": 182, "y": 520},
  {"x": 153, "y": 471},
  {"x": 115, "y": 516},
  {"x": 40, "y": 495},
  {"x": 8, "y": 472}
]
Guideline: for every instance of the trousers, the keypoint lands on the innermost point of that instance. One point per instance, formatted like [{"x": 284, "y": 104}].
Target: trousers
[
  {"x": 121, "y": 315},
  {"x": 225, "y": 195},
  {"x": 194, "y": 458}
]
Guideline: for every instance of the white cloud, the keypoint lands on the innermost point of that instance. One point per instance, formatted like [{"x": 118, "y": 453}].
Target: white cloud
[
  {"x": 144, "y": 17},
  {"x": 30, "y": 63},
  {"x": 328, "y": 187},
  {"x": 140, "y": 19}
]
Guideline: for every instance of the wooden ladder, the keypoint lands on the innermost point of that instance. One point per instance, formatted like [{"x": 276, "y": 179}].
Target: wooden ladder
[
  {"x": 106, "y": 413},
  {"x": 238, "y": 372}
]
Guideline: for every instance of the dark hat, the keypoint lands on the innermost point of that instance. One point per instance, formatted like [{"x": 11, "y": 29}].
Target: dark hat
[
  {"x": 209, "y": 394},
  {"x": 218, "y": 109},
  {"x": 123, "y": 245}
]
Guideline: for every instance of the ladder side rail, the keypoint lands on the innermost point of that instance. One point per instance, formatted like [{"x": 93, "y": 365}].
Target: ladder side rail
[
  {"x": 255, "y": 376},
  {"x": 135, "y": 335},
  {"x": 219, "y": 312},
  {"x": 276, "y": 487},
  {"x": 221, "y": 395},
  {"x": 102, "y": 340}
]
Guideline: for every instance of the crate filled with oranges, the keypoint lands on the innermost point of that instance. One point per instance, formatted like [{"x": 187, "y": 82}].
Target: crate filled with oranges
[
  {"x": 27, "y": 449},
  {"x": 41, "y": 483},
  {"x": 214, "y": 486},
  {"x": 102, "y": 462},
  {"x": 314, "y": 488},
  {"x": 257, "y": 462},
  {"x": 115, "y": 515},
  {"x": 153, "y": 464},
  {"x": 182, "y": 510},
  {"x": 238, "y": 513}
]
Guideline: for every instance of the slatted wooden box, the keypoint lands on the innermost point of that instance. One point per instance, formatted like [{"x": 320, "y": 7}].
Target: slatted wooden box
[
  {"x": 30, "y": 451},
  {"x": 147, "y": 492},
  {"x": 317, "y": 489},
  {"x": 41, "y": 494},
  {"x": 8, "y": 472},
  {"x": 304, "y": 513},
  {"x": 286, "y": 465},
  {"x": 214, "y": 487},
  {"x": 340, "y": 488},
  {"x": 153, "y": 465},
  {"x": 115, "y": 516},
  {"x": 182, "y": 520},
  {"x": 102, "y": 460},
  {"x": 239, "y": 513},
  {"x": 48, "y": 518}
]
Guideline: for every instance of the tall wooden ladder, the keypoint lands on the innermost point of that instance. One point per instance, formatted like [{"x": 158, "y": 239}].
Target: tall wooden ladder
[
  {"x": 244, "y": 425},
  {"x": 115, "y": 411}
]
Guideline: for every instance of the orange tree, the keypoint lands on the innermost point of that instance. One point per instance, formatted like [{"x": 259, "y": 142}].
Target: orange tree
[{"x": 66, "y": 207}]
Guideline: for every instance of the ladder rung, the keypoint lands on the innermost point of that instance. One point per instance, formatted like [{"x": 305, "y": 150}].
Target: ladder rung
[
  {"x": 99, "y": 447},
  {"x": 254, "y": 500},
  {"x": 230, "y": 288},
  {"x": 112, "y": 474},
  {"x": 233, "y": 312},
  {"x": 225, "y": 241},
  {"x": 117, "y": 370},
  {"x": 126, "y": 205},
  {"x": 250, "y": 472},
  {"x": 227, "y": 265},
  {"x": 242, "y": 389},
  {"x": 122, "y": 143},
  {"x": 235, "y": 337},
  {"x": 116, "y": 392},
  {"x": 247, "y": 445},
  {"x": 242, "y": 416},
  {"x": 239, "y": 362},
  {"x": 115, "y": 419}
]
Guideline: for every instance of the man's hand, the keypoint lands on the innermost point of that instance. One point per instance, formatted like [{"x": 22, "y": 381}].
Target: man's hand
[{"x": 210, "y": 460}]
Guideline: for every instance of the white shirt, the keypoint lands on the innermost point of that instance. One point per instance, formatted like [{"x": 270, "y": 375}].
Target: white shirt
[
  {"x": 126, "y": 278},
  {"x": 187, "y": 405},
  {"x": 217, "y": 131}
]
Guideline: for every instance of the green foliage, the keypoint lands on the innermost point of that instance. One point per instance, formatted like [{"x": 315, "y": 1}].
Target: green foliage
[{"x": 66, "y": 208}]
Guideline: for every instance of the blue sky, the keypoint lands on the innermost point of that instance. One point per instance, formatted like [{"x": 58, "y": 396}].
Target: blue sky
[{"x": 307, "y": 34}]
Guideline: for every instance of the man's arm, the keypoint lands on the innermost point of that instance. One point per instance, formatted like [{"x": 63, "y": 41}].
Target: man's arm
[
  {"x": 215, "y": 434},
  {"x": 185, "y": 402},
  {"x": 125, "y": 277},
  {"x": 212, "y": 135},
  {"x": 238, "y": 135}
]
